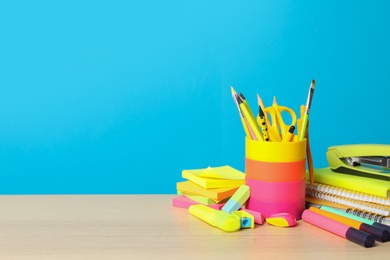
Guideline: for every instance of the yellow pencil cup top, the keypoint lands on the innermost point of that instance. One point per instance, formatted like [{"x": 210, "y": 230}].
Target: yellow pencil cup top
[{"x": 275, "y": 151}]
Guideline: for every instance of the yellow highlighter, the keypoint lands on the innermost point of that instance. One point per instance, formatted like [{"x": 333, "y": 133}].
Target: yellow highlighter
[
  {"x": 289, "y": 135},
  {"x": 217, "y": 218}
]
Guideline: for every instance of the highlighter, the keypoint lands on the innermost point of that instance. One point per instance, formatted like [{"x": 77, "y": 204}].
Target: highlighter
[
  {"x": 289, "y": 135},
  {"x": 217, "y": 218}
]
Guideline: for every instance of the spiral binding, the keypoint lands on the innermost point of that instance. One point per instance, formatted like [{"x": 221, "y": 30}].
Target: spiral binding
[
  {"x": 346, "y": 193},
  {"x": 362, "y": 205},
  {"x": 368, "y": 215}
]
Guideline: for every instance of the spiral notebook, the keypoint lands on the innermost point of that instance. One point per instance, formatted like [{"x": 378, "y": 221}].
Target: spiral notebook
[
  {"x": 334, "y": 197},
  {"x": 356, "y": 183}
]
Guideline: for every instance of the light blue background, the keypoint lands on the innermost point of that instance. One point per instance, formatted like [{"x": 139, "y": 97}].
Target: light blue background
[{"x": 121, "y": 96}]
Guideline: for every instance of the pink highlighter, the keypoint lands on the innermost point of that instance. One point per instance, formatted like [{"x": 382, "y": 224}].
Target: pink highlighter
[{"x": 281, "y": 220}]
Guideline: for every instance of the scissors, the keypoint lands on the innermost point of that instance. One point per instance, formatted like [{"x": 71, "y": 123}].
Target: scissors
[{"x": 277, "y": 128}]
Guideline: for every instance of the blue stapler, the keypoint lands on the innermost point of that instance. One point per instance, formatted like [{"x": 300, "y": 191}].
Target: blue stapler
[{"x": 367, "y": 160}]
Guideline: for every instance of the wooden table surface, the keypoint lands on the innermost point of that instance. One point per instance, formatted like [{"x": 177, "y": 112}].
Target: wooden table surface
[{"x": 148, "y": 227}]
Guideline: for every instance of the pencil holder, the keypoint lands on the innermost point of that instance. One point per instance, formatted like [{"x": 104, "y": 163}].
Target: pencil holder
[{"x": 276, "y": 175}]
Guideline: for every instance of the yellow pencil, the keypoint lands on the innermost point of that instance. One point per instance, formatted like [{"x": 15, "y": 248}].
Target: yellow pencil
[
  {"x": 252, "y": 124},
  {"x": 243, "y": 121}
]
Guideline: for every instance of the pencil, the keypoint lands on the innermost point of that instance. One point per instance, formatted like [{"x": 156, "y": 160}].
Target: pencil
[
  {"x": 252, "y": 124},
  {"x": 243, "y": 120},
  {"x": 246, "y": 110}
]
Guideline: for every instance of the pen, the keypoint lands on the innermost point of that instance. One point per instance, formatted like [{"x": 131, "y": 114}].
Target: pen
[
  {"x": 352, "y": 234},
  {"x": 261, "y": 104},
  {"x": 307, "y": 111},
  {"x": 250, "y": 119},
  {"x": 263, "y": 124},
  {"x": 243, "y": 120},
  {"x": 273, "y": 136},
  {"x": 378, "y": 234}
]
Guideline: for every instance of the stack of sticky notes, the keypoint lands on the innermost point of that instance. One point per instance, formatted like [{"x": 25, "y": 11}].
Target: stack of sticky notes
[{"x": 211, "y": 186}]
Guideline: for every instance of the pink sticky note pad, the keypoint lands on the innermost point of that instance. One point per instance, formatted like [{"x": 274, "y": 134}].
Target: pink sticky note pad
[{"x": 184, "y": 202}]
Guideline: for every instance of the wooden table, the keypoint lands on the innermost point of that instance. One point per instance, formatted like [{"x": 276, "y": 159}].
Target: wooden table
[{"x": 148, "y": 227}]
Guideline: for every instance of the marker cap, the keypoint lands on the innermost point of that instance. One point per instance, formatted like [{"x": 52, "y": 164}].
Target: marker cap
[
  {"x": 379, "y": 234},
  {"x": 359, "y": 237}
]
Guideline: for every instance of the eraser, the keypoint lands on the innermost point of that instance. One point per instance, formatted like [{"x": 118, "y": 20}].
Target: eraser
[
  {"x": 258, "y": 218},
  {"x": 238, "y": 199},
  {"x": 281, "y": 220}
]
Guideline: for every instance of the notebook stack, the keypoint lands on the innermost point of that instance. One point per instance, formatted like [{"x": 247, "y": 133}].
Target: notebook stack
[{"x": 211, "y": 186}]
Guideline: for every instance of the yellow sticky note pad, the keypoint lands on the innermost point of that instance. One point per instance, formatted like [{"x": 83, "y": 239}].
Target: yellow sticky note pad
[
  {"x": 199, "y": 198},
  {"x": 217, "y": 177},
  {"x": 222, "y": 172}
]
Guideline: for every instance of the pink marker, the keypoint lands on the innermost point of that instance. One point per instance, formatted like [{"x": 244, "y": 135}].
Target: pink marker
[{"x": 357, "y": 236}]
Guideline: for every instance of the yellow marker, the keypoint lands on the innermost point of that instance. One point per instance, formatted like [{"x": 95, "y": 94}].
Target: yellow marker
[
  {"x": 217, "y": 218},
  {"x": 243, "y": 120},
  {"x": 289, "y": 135},
  {"x": 252, "y": 125}
]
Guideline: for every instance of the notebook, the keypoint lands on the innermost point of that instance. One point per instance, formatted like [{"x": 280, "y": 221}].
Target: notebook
[{"x": 347, "y": 181}]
